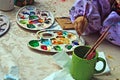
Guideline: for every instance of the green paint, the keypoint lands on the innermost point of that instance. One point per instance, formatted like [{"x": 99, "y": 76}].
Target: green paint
[
  {"x": 57, "y": 48},
  {"x": 34, "y": 43},
  {"x": 30, "y": 26},
  {"x": 69, "y": 47},
  {"x": 24, "y": 21},
  {"x": 33, "y": 17}
]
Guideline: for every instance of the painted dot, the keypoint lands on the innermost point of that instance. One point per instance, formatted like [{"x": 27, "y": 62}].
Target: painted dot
[
  {"x": 68, "y": 47},
  {"x": 46, "y": 41},
  {"x": 44, "y": 47},
  {"x": 24, "y": 21},
  {"x": 33, "y": 17},
  {"x": 65, "y": 33},
  {"x": 47, "y": 21},
  {"x": 57, "y": 48},
  {"x": 34, "y": 43},
  {"x": 59, "y": 33},
  {"x": 32, "y": 13},
  {"x": 60, "y": 36},
  {"x": 30, "y": 26},
  {"x": 75, "y": 42}
]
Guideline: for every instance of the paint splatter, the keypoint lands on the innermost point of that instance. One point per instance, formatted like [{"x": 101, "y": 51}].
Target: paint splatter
[
  {"x": 63, "y": 0},
  {"x": 110, "y": 57}
]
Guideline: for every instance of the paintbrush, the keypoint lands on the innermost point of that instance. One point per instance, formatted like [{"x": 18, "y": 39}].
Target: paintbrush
[
  {"x": 84, "y": 16},
  {"x": 91, "y": 53}
]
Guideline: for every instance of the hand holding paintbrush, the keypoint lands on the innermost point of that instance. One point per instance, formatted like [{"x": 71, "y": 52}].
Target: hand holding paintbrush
[{"x": 81, "y": 22}]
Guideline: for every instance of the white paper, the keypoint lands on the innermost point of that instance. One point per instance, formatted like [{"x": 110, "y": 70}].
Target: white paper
[
  {"x": 60, "y": 75},
  {"x": 99, "y": 65},
  {"x": 62, "y": 59},
  {"x": 8, "y": 66}
]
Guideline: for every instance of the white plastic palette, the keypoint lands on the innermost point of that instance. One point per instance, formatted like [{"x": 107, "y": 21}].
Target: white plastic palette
[
  {"x": 55, "y": 41},
  {"x": 32, "y": 18},
  {"x": 4, "y": 24}
]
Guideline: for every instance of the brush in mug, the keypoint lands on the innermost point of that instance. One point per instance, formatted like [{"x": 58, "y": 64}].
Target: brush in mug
[{"x": 91, "y": 53}]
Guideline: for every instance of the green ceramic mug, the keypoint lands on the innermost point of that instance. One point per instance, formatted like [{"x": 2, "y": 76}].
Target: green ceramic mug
[{"x": 83, "y": 69}]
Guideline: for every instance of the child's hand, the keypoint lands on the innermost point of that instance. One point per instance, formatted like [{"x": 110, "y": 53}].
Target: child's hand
[{"x": 80, "y": 24}]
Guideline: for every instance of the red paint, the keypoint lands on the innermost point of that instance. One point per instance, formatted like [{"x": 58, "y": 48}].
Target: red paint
[
  {"x": 63, "y": 0},
  {"x": 91, "y": 56},
  {"x": 43, "y": 47}
]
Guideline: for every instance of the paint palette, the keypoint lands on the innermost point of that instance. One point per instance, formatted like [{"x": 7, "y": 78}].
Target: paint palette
[
  {"x": 31, "y": 18},
  {"x": 4, "y": 24},
  {"x": 55, "y": 41}
]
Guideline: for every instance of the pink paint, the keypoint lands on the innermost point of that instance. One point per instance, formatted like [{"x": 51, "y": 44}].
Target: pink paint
[{"x": 63, "y": 0}]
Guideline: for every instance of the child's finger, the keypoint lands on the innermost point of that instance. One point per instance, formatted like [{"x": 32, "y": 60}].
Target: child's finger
[
  {"x": 79, "y": 28},
  {"x": 76, "y": 27}
]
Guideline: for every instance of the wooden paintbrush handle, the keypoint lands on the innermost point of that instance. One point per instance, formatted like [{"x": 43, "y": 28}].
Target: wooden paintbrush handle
[
  {"x": 92, "y": 53},
  {"x": 97, "y": 43}
]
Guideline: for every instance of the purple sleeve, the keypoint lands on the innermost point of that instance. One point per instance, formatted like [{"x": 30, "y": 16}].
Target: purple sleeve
[
  {"x": 92, "y": 13},
  {"x": 113, "y": 20}
]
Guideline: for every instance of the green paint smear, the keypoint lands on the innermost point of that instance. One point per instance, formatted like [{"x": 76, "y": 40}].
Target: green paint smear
[
  {"x": 24, "y": 21},
  {"x": 33, "y": 17},
  {"x": 30, "y": 26},
  {"x": 34, "y": 43},
  {"x": 69, "y": 47},
  {"x": 57, "y": 48}
]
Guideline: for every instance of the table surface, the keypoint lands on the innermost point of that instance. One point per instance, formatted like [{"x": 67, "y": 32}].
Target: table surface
[{"x": 36, "y": 65}]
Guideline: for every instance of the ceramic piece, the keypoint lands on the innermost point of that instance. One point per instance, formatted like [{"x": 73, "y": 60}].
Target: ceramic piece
[
  {"x": 32, "y": 18},
  {"x": 4, "y": 24},
  {"x": 55, "y": 41},
  {"x": 6, "y": 5}
]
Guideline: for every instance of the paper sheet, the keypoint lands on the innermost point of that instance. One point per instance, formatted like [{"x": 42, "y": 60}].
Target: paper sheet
[{"x": 8, "y": 67}]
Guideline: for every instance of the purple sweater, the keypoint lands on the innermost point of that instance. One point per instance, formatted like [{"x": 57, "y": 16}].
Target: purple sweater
[{"x": 99, "y": 16}]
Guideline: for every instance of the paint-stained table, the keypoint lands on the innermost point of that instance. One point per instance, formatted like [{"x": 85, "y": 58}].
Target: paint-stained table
[{"x": 35, "y": 65}]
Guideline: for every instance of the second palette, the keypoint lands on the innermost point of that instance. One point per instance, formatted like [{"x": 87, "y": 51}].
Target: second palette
[{"x": 55, "y": 41}]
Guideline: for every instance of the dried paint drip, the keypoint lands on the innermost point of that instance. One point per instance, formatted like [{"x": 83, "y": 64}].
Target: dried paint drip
[
  {"x": 34, "y": 43},
  {"x": 56, "y": 40},
  {"x": 36, "y": 18}
]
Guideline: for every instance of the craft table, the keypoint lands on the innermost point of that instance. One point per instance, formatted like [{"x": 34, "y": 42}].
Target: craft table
[{"x": 36, "y": 65}]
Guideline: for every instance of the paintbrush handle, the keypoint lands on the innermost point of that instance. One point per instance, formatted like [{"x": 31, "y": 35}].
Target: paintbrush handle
[
  {"x": 97, "y": 43},
  {"x": 92, "y": 53}
]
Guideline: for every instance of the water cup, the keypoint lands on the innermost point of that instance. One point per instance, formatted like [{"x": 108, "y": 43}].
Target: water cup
[{"x": 83, "y": 69}]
